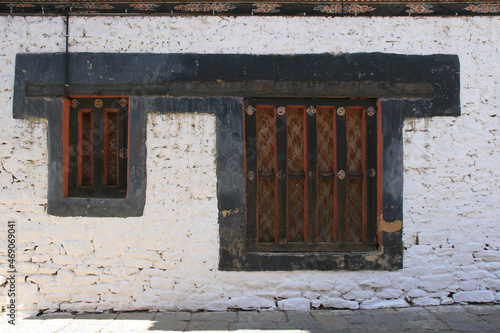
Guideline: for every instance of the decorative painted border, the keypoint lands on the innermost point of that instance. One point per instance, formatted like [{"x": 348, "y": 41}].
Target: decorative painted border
[{"x": 284, "y": 7}]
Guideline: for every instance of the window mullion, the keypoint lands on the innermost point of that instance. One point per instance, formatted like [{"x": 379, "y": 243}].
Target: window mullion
[
  {"x": 98, "y": 147},
  {"x": 311, "y": 174},
  {"x": 122, "y": 148},
  {"x": 251, "y": 173},
  {"x": 371, "y": 171},
  {"x": 281, "y": 177},
  {"x": 73, "y": 160},
  {"x": 341, "y": 177}
]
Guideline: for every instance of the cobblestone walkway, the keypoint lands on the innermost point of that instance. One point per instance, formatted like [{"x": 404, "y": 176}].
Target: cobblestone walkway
[{"x": 454, "y": 318}]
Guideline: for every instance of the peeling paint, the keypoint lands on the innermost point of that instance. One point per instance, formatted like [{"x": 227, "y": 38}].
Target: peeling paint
[
  {"x": 229, "y": 212},
  {"x": 390, "y": 226}
]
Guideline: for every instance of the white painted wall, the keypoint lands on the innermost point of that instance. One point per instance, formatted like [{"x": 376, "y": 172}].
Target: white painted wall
[{"x": 167, "y": 259}]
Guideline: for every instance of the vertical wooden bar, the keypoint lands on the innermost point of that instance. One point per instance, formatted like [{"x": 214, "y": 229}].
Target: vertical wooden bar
[
  {"x": 296, "y": 166},
  {"x": 98, "y": 147},
  {"x": 371, "y": 172},
  {"x": 281, "y": 174},
  {"x": 123, "y": 148},
  {"x": 250, "y": 126},
  {"x": 85, "y": 149},
  {"x": 73, "y": 158},
  {"x": 326, "y": 155},
  {"x": 266, "y": 175},
  {"x": 65, "y": 146},
  {"x": 341, "y": 176},
  {"x": 311, "y": 175}
]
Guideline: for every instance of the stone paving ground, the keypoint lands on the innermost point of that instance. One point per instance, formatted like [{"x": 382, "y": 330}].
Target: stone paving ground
[{"x": 453, "y": 318}]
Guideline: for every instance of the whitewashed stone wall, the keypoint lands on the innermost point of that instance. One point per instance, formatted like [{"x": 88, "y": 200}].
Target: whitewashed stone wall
[{"x": 167, "y": 259}]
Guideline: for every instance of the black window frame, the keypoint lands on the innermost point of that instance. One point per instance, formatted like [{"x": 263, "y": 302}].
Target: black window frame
[{"x": 100, "y": 181}]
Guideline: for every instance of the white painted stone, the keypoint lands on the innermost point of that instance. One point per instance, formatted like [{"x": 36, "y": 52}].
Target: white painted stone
[
  {"x": 321, "y": 286},
  {"x": 476, "y": 296},
  {"x": 315, "y": 303},
  {"x": 359, "y": 295},
  {"x": 57, "y": 297},
  {"x": 48, "y": 269},
  {"x": 389, "y": 293},
  {"x": 435, "y": 282},
  {"x": 78, "y": 248},
  {"x": 27, "y": 268},
  {"x": 138, "y": 263},
  {"x": 425, "y": 301},
  {"x": 493, "y": 284},
  {"x": 339, "y": 303},
  {"x": 488, "y": 256},
  {"x": 39, "y": 278},
  {"x": 26, "y": 288},
  {"x": 63, "y": 260},
  {"x": 86, "y": 270},
  {"x": 162, "y": 283},
  {"x": 83, "y": 297},
  {"x": 467, "y": 285},
  {"x": 65, "y": 277},
  {"x": 447, "y": 301},
  {"x": 295, "y": 304},
  {"x": 79, "y": 307},
  {"x": 417, "y": 293},
  {"x": 85, "y": 280},
  {"x": 377, "y": 303},
  {"x": 126, "y": 288},
  {"x": 250, "y": 303}
]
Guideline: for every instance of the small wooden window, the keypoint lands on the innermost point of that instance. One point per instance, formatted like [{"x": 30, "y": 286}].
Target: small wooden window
[
  {"x": 311, "y": 170},
  {"x": 95, "y": 147}
]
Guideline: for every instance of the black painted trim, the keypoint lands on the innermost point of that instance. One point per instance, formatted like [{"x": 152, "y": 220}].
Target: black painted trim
[
  {"x": 273, "y": 8},
  {"x": 142, "y": 71}
]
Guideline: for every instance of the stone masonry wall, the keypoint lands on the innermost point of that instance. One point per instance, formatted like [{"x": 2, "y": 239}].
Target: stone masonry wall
[{"x": 167, "y": 259}]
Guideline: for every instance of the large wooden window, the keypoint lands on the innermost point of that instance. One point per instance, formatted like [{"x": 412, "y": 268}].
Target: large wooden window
[
  {"x": 311, "y": 169},
  {"x": 95, "y": 144}
]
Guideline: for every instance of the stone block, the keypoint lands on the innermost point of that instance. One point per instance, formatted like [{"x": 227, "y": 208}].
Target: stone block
[
  {"x": 250, "y": 303},
  {"x": 295, "y": 304},
  {"x": 425, "y": 301},
  {"x": 83, "y": 297},
  {"x": 78, "y": 248},
  {"x": 476, "y": 296},
  {"x": 162, "y": 283},
  {"x": 359, "y": 295},
  {"x": 64, "y": 260},
  {"x": 126, "y": 287},
  {"x": 48, "y": 269},
  {"x": 389, "y": 293},
  {"x": 65, "y": 277},
  {"x": 27, "y": 268},
  {"x": 488, "y": 256},
  {"x": 417, "y": 293},
  {"x": 137, "y": 263},
  {"x": 432, "y": 237},
  {"x": 87, "y": 270},
  {"x": 39, "y": 278},
  {"x": 377, "y": 303},
  {"x": 26, "y": 288},
  {"x": 85, "y": 280},
  {"x": 321, "y": 286},
  {"x": 339, "y": 303},
  {"x": 493, "y": 284},
  {"x": 79, "y": 307},
  {"x": 57, "y": 297},
  {"x": 435, "y": 282}
]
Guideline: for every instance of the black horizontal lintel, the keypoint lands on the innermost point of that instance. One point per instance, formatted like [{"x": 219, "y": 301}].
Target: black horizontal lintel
[{"x": 257, "y": 88}]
